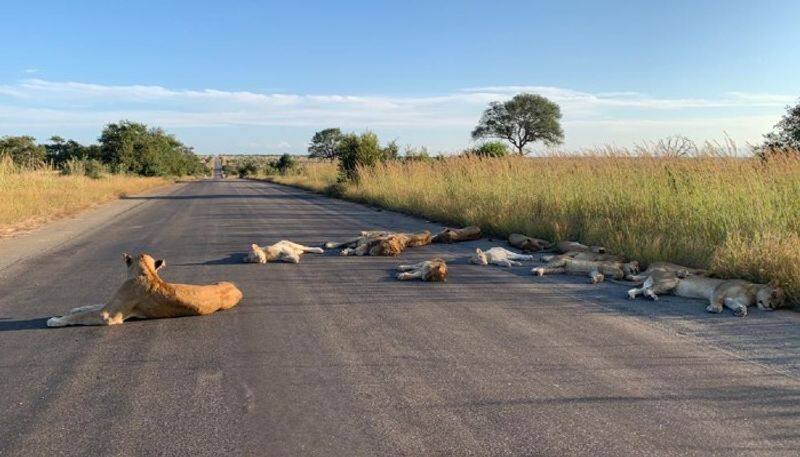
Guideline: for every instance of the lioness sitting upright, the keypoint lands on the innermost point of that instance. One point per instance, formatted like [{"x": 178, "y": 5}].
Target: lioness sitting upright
[
  {"x": 283, "y": 250},
  {"x": 451, "y": 235},
  {"x": 430, "y": 270},
  {"x": 145, "y": 295}
]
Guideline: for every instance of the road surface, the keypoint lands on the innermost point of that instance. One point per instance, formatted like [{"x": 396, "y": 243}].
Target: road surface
[{"x": 334, "y": 357}]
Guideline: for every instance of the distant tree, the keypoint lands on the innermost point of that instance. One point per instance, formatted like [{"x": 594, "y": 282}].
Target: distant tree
[
  {"x": 490, "y": 149},
  {"x": 60, "y": 150},
  {"x": 361, "y": 151},
  {"x": 324, "y": 143},
  {"x": 524, "y": 119},
  {"x": 786, "y": 135},
  {"x": 132, "y": 147},
  {"x": 23, "y": 150}
]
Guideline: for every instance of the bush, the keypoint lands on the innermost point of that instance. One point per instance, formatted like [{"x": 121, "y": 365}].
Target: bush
[
  {"x": 363, "y": 150},
  {"x": 247, "y": 169},
  {"x": 91, "y": 168},
  {"x": 285, "y": 164},
  {"x": 490, "y": 149}
]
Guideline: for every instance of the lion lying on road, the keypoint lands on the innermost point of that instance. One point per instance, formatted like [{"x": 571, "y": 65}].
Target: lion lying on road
[
  {"x": 381, "y": 243},
  {"x": 498, "y": 256},
  {"x": 430, "y": 270},
  {"x": 283, "y": 250},
  {"x": 597, "y": 270},
  {"x": 145, "y": 295},
  {"x": 564, "y": 247},
  {"x": 528, "y": 244},
  {"x": 734, "y": 294},
  {"x": 451, "y": 235}
]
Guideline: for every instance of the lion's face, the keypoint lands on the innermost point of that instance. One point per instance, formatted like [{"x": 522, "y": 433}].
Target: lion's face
[
  {"x": 479, "y": 258},
  {"x": 438, "y": 271},
  {"x": 142, "y": 264},
  {"x": 256, "y": 254},
  {"x": 631, "y": 268},
  {"x": 769, "y": 297}
]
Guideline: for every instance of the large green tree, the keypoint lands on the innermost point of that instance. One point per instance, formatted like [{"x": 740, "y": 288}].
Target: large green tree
[
  {"x": 362, "y": 151},
  {"x": 131, "y": 147},
  {"x": 23, "y": 150},
  {"x": 324, "y": 143},
  {"x": 524, "y": 119}
]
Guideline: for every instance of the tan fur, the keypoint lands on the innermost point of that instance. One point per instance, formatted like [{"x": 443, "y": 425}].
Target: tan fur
[
  {"x": 283, "y": 250},
  {"x": 573, "y": 246},
  {"x": 451, "y": 235},
  {"x": 585, "y": 255},
  {"x": 383, "y": 243},
  {"x": 430, "y": 270},
  {"x": 527, "y": 244},
  {"x": 498, "y": 256},
  {"x": 734, "y": 294},
  {"x": 145, "y": 295},
  {"x": 597, "y": 270}
]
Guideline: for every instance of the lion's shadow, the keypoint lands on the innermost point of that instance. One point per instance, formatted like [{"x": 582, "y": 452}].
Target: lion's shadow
[{"x": 7, "y": 325}]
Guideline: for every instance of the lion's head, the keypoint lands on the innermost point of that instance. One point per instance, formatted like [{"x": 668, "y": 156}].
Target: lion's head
[
  {"x": 438, "y": 271},
  {"x": 256, "y": 254},
  {"x": 479, "y": 258},
  {"x": 142, "y": 265},
  {"x": 769, "y": 297}
]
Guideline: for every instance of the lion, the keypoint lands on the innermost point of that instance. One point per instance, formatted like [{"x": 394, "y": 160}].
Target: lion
[
  {"x": 498, "y": 256},
  {"x": 528, "y": 244},
  {"x": 585, "y": 255},
  {"x": 564, "y": 247},
  {"x": 430, "y": 270},
  {"x": 283, "y": 250},
  {"x": 734, "y": 294},
  {"x": 451, "y": 235},
  {"x": 145, "y": 295},
  {"x": 382, "y": 243},
  {"x": 365, "y": 235},
  {"x": 597, "y": 270}
]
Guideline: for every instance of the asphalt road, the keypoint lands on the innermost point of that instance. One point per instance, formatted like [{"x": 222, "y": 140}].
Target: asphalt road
[{"x": 335, "y": 357}]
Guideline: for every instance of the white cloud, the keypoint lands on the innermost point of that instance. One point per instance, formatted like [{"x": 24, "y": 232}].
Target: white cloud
[{"x": 589, "y": 118}]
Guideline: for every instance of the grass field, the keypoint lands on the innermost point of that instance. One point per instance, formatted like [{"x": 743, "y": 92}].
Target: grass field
[
  {"x": 30, "y": 197},
  {"x": 740, "y": 217}
]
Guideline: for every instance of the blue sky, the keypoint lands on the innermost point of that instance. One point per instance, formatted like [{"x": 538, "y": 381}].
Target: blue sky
[{"x": 263, "y": 76}]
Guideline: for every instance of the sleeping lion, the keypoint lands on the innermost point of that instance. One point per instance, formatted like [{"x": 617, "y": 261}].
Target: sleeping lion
[
  {"x": 430, "y": 270},
  {"x": 381, "y": 243},
  {"x": 451, "y": 235},
  {"x": 597, "y": 270},
  {"x": 145, "y": 295},
  {"x": 283, "y": 250}
]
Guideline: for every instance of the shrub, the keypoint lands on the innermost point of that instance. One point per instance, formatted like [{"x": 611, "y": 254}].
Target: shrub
[
  {"x": 247, "y": 169},
  {"x": 285, "y": 164},
  {"x": 91, "y": 168},
  {"x": 363, "y": 150},
  {"x": 490, "y": 149}
]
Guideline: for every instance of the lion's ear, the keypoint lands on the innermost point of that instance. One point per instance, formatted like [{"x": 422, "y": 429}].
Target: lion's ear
[
  {"x": 128, "y": 260},
  {"x": 160, "y": 263},
  {"x": 478, "y": 251}
]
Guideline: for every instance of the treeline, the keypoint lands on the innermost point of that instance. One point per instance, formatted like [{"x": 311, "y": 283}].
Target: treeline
[{"x": 123, "y": 147}]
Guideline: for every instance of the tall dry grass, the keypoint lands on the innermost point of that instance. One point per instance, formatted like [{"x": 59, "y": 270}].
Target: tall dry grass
[
  {"x": 739, "y": 216},
  {"x": 29, "y": 197}
]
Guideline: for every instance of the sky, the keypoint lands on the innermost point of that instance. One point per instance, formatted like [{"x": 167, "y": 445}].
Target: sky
[{"x": 262, "y": 77}]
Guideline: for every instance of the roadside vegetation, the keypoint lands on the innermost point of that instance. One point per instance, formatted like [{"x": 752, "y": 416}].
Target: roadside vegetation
[
  {"x": 41, "y": 182},
  {"x": 703, "y": 206}
]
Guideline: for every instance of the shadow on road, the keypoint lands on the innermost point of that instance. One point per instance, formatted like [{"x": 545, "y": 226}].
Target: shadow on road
[
  {"x": 231, "y": 259},
  {"x": 26, "y": 324}
]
